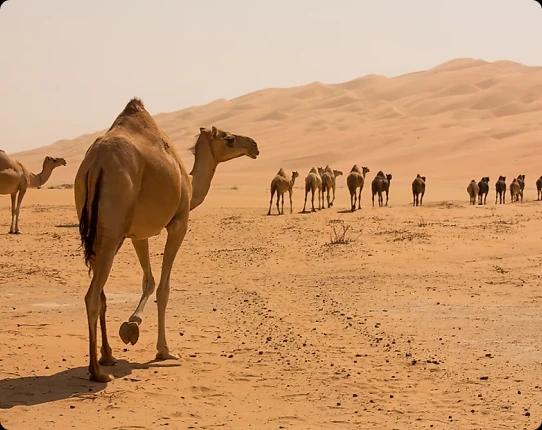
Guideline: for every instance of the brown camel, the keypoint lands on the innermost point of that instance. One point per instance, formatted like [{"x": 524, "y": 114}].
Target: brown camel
[
  {"x": 313, "y": 183},
  {"x": 521, "y": 181},
  {"x": 355, "y": 180},
  {"x": 539, "y": 187},
  {"x": 500, "y": 190},
  {"x": 473, "y": 190},
  {"x": 418, "y": 190},
  {"x": 483, "y": 190},
  {"x": 15, "y": 180},
  {"x": 132, "y": 184},
  {"x": 328, "y": 178},
  {"x": 515, "y": 190},
  {"x": 280, "y": 184},
  {"x": 381, "y": 184}
]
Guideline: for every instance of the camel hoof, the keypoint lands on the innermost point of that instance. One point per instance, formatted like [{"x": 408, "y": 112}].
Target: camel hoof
[
  {"x": 108, "y": 361},
  {"x": 101, "y": 377},
  {"x": 161, "y": 356},
  {"x": 129, "y": 332}
]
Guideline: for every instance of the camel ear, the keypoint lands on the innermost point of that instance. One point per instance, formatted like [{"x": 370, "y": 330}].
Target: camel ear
[
  {"x": 202, "y": 129},
  {"x": 214, "y": 131},
  {"x": 423, "y": 177}
]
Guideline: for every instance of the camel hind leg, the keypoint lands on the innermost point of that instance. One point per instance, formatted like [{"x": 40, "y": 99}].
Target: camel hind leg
[
  {"x": 20, "y": 196},
  {"x": 271, "y": 201},
  {"x": 290, "y": 195},
  {"x": 13, "y": 205},
  {"x": 106, "y": 358},
  {"x": 282, "y": 204}
]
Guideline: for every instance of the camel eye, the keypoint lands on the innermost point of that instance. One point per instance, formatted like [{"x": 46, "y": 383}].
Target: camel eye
[{"x": 229, "y": 140}]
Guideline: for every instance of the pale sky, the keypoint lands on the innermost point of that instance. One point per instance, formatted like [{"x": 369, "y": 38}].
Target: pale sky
[{"x": 67, "y": 67}]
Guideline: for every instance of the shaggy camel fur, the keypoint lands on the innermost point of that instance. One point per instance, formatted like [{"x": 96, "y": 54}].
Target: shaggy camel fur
[
  {"x": 381, "y": 184},
  {"x": 355, "y": 180},
  {"x": 418, "y": 190},
  {"x": 132, "y": 184},
  {"x": 500, "y": 190},
  {"x": 539, "y": 188},
  {"x": 15, "y": 180},
  {"x": 280, "y": 184},
  {"x": 313, "y": 183},
  {"x": 483, "y": 190},
  {"x": 473, "y": 190},
  {"x": 515, "y": 190}
]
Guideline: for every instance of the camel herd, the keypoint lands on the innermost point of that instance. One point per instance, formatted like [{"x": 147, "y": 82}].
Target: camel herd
[{"x": 478, "y": 191}]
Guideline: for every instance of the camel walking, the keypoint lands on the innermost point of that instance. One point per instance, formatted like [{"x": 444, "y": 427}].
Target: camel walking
[
  {"x": 280, "y": 184},
  {"x": 313, "y": 183},
  {"x": 539, "y": 188},
  {"x": 381, "y": 184},
  {"x": 483, "y": 190},
  {"x": 515, "y": 190},
  {"x": 132, "y": 184},
  {"x": 500, "y": 190},
  {"x": 355, "y": 180},
  {"x": 15, "y": 179},
  {"x": 521, "y": 181},
  {"x": 418, "y": 190},
  {"x": 336, "y": 174},
  {"x": 473, "y": 189},
  {"x": 328, "y": 179}
]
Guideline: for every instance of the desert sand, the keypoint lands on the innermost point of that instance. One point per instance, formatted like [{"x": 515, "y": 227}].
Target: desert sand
[{"x": 427, "y": 317}]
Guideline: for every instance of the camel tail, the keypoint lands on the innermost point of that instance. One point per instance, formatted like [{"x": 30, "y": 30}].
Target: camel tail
[{"x": 89, "y": 219}]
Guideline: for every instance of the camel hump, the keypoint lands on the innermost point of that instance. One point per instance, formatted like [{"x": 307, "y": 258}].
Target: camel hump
[
  {"x": 133, "y": 106},
  {"x": 281, "y": 172}
]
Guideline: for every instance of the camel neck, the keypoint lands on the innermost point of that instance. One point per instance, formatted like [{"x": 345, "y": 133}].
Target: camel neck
[
  {"x": 292, "y": 182},
  {"x": 203, "y": 171},
  {"x": 37, "y": 180}
]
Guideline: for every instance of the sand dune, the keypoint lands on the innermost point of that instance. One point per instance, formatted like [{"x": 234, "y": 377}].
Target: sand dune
[{"x": 478, "y": 106}]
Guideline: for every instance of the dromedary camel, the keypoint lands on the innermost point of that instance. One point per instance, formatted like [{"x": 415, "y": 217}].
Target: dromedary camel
[
  {"x": 280, "y": 184},
  {"x": 539, "y": 187},
  {"x": 15, "y": 179},
  {"x": 355, "y": 180},
  {"x": 483, "y": 190},
  {"x": 473, "y": 189},
  {"x": 500, "y": 190},
  {"x": 313, "y": 183},
  {"x": 132, "y": 184},
  {"x": 515, "y": 190},
  {"x": 380, "y": 184},
  {"x": 328, "y": 178},
  {"x": 418, "y": 190},
  {"x": 521, "y": 181}
]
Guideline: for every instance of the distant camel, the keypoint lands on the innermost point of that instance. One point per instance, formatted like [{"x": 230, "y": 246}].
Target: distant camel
[
  {"x": 539, "y": 187},
  {"x": 280, "y": 184},
  {"x": 515, "y": 190},
  {"x": 355, "y": 180},
  {"x": 521, "y": 180},
  {"x": 473, "y": 190},
  {"x": 15, "y": 179},
  {"x": 483, "y": 190},
  {"x": 500, "y": 190},
  {"x": 327, "y": 185},
  {"x": 381, "y": 184},
  {"x": 313, "y": 183},
  {"x": 418, "y": 190},
  {"x": 131, "y": 185}
]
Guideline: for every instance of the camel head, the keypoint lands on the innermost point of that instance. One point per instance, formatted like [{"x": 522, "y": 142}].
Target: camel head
[
  {"x": 423, "y": 178},
  {"x": 485, "y": 179},
  {"x": 227, "y": 146},
  {"x": 388, "y": 177},
  {"x": 337, "y": 173},
  {"x": 295, "y": 174},
  {"x": 313, "y": 170},
  {"x": 52, "y": 163},
  {"x": 365, "y": 170}
]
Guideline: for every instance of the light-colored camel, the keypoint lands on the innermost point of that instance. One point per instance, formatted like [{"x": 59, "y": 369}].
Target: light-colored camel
[
  {"x": 132, "y": 184},
  {"x": 418, "y": 190},
  {"x": 381, "y": 184},
  {"x": 483, "y": 190},
  {"x": 539, "y": 188},
  {"x": 515, "y": 190},
  {"x": 473, "y": 190},
  {"x": 336, "y": 174},
  {"x": 280, "y": 184},
  {"x": 15, "y": 180},
  {"x": 355, "y": 180},
  {"x": 500, "y": 190},
  {"x": 313, "y": 183},
  {"x": 328, "y": 178}
]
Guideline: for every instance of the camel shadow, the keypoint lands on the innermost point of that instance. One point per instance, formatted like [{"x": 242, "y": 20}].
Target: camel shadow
[{"x": 347, "y": 211}]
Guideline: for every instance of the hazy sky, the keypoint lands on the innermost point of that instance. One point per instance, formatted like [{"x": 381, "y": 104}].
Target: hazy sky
[{"x": 67, "y": 67}]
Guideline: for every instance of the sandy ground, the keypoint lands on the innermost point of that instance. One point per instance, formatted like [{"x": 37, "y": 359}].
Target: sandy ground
[{"x": 428, "y": 318}]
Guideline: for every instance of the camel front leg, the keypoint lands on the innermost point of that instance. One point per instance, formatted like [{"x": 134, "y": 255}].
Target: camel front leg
[
  {"x": 17, "y": 210},
  {"x": 176, "y": 231},
  {"x": 282, "y": 205},
  {"x": 359, "y": 198},
  {"x": 290, "y": 195},
  {"x": 129, "y": 330},
  {"x": 13, "y": 205}
]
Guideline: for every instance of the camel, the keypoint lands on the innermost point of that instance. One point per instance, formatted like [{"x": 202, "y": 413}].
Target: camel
[
  {"x": 521, "y": 180},
  {"x": 473, "y": 189},
  {"x": 380, "y": 184},
  {"x": 280, "y": 184},
  {"x": 313, "y": 183},
  {"x": 515, "y": 190},
  {"x": 328, "y": 179},
  {"x": 483, "y": 190},
  {"x": 500, "y": 190},
  {"x": 418, "y": 190},
  {"x": 132, "y": 184},
  {"x": 539, "y": 187},
  {"x": 355, "y": 180},
  {"x": 15, "y": 179}
]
